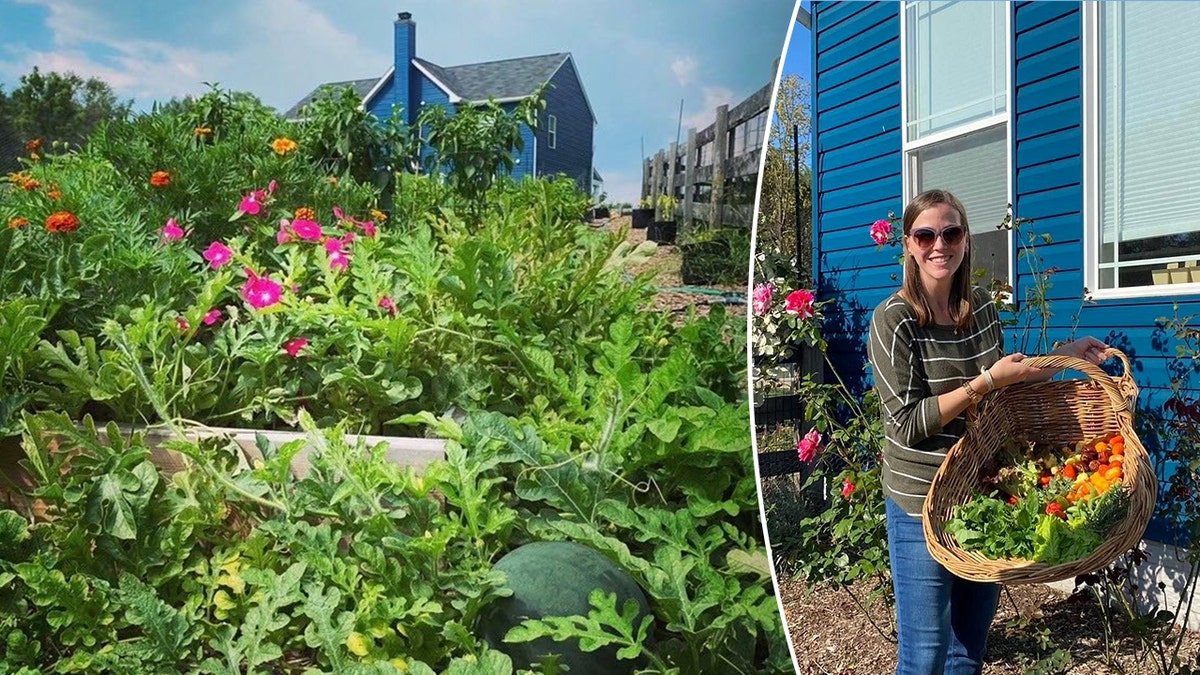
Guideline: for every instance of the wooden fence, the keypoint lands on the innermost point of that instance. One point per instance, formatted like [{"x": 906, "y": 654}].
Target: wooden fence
[{"x": 714, "y": 175}]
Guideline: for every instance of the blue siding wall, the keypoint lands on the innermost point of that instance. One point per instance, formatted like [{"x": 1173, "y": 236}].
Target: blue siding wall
[
  {"x": 381, "y": 105},
  {"x": 524, "y": 158},
  {"x": 572, "y": 154},
  {"x": 857, "y": 179},
  {"x": 857, "y": 168}
]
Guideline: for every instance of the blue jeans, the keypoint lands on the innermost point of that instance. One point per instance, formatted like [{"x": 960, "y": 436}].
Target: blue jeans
[{"x": 942, "y": 620}]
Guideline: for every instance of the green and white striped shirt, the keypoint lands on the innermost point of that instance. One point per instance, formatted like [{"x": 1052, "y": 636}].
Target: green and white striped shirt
[{"x": 913, "y": 365}]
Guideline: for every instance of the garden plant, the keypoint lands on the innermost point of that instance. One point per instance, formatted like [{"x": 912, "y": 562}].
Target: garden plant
[{"x": 211, "y": 263}]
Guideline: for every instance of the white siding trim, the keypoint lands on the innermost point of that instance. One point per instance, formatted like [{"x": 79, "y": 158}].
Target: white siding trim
[
  {"x": 379, "y": 85},
  {"x": 454, "y": 98}
]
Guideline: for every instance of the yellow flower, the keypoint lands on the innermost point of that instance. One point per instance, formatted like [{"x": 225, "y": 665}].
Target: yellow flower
[
  {"x": 333, "y": 180},
  {"x": 202, "y": 131},
  {"x": 378, "y": 215},
  {"x": 283, "y": 146}
]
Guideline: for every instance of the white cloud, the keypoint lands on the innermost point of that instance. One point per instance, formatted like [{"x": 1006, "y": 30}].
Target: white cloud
[
  {"x": 277, "y": 49},
  {"x": 684, "y": 68},
  {"x": 705, "y": 113}
]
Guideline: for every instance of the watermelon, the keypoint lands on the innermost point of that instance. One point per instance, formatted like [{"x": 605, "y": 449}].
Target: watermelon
[{"x": 554, "y": 578}]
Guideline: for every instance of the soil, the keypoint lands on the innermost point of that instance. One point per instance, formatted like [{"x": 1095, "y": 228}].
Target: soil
[
  {"x": 666, "y": 262},
  {"x": 832, "y": 636}
]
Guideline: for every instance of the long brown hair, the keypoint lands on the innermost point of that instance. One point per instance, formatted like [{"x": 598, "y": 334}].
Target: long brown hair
[{"x": 961, "y": 305}]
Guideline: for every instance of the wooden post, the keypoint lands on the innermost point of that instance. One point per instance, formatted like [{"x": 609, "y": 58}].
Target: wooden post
[
  {"x": 656, "y": 181},
  {"x": 720, "y": 146},
  {"x": 672, "y": 156},
  {"x": 689, "y": 175}
]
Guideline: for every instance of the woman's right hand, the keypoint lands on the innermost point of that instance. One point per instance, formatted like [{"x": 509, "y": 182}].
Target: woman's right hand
[{"x": 1011, "y": 370}]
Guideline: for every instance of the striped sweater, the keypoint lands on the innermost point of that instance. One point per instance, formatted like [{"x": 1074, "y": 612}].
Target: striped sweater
[{"x": 912, "y": 366}]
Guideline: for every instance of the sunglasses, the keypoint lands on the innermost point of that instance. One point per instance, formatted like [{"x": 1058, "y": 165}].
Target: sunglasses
[{"x": 951, "y": 235}]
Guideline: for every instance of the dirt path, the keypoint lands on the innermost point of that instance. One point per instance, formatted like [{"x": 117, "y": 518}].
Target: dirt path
[
  {"x": 666, "y": 262},
  {"x": 831, "y": 636}
]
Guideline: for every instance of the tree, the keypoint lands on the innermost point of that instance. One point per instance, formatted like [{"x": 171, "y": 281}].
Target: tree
[
  {"x": 57, "y": 107},
  {"x": 777, "y": 202}
]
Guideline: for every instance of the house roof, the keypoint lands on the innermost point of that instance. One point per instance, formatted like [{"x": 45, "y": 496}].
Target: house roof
[
  {"x": 501, "y": 80},
  {"x": 504, "y": 80},
  {"x": 361, "y": 87}
]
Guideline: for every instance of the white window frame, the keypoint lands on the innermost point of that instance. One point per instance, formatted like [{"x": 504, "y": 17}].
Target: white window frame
[
  {"x": 912, "y": 147},
  {"x": 551, "y": 132},
  {"x": 1093, "y": 210}
]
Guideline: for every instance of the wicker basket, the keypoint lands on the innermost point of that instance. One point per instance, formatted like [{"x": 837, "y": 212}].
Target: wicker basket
[{"x": 1061, "y": 412}]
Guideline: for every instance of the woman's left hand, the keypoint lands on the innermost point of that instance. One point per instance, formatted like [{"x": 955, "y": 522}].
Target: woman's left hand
[{"x": 1087, "y": 348}]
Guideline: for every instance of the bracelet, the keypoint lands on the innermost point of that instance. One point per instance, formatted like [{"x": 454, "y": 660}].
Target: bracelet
[
  {"x": 987, "y": 375},
  {"x": 972, "y": 395}
]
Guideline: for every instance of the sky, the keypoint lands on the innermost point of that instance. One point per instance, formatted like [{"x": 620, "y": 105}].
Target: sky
[{"x": 638, "y": 59}]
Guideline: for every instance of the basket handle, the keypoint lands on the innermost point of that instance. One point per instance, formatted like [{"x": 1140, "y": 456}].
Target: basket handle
[{"x": 1123, "y": 390}]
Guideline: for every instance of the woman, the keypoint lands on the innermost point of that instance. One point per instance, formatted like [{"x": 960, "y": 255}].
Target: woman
[{"x": 936, "y": 346}]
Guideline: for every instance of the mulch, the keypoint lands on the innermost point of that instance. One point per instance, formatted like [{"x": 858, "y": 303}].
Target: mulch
[{"x": 832, "y": 636}]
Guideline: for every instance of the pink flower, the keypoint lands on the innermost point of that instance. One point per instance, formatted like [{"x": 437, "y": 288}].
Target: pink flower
[
  {"x": 182, "y": 323},
  {"x": 339, "y": 262},
  {"x": 218, "y": 254},
  {"x": 260, "y": 292},
  {"x": 762, "y": 298},
  {"x": 171, "y": 231},
  {"x": 386, "y": 303},
  {"x": 272, "y": 186},
  {"x": 799, "y": 303},
  {"x": 369, "y": 228},
  {"x": 808, "y": 446},
  {"x": 338, "y": 213},
  {"x": 306, "y": 229},
  {"x": 252, "y": 203},
  {"x": 334, "y": 245},
  {"x": 881, "y": 231},
  {"x": 283, "y": 236},
  {"x": 213, "y": 316},
  {"x": 847, "y": 488},
  {"x": 294, "y": 346}
]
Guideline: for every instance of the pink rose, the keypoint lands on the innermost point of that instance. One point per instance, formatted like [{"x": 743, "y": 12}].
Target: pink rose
[
  {"x": 386, "y": 303},
  {"x": 799, "y": 303},
  {"x": 808, "y": 446},
  {"x": 213, "y": 316},
  {"x": 762, "y": 298},
  {"x": 847, "y": 488},
  {"x": 881, "y": 231}
]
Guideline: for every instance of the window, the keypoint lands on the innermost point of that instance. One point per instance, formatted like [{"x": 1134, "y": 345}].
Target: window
[
  {"x": 956, "y": 115},
  {"x": 750, "y": 134},
  {"x": 1141, "y": 151},
  {"x": 551, "y": 132}
]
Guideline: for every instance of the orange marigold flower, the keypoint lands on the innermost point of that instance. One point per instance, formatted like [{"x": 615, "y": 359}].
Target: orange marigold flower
[
  {"x": 31, "y": 185},
  {"x": 18, "y": 222},
  {"x": 378, "y": 215},
  {"x": 33, "y": 145},
  {"x": 283, "y": 146},
  {"x": 54, "y": 195},
  {"x": 160, "y": 179},
  {"x": 62, "y": 221},
  {"x": 305, "y": 213},
  {"x": 202, "y": 131}
]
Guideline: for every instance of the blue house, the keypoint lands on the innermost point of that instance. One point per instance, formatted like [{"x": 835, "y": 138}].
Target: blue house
[
  {"x": 1083, "y": 116},
  {"x": 563, "y": 140}
]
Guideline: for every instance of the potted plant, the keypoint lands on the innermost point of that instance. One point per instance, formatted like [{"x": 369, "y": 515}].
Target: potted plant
[
  {"x": 644, "y": 214},
  {"x": 663, "y": 231}
]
